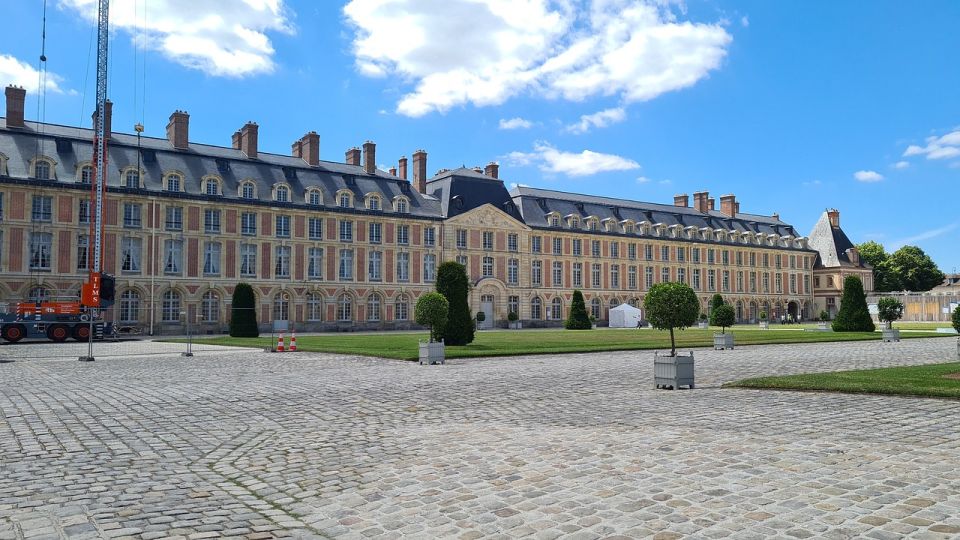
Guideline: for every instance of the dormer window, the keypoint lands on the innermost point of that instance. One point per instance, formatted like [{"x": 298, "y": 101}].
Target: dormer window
[
  {"x": 574, "y": 223},
  {"x": 314, "y": 197},
  {"x": 344, "y": 200},
  {"x": 593, "y": 225},
  {"x": 401, "y": 206},
  {"x": 248, "y": 190},
  {"x": 211, "y": 186},
  {"x": 131, "y": 179},
  {"x": 42, "y": 169},
  {"x": 173, "y": 182},
  {"x": 86, "y": 174},
  {"x": 373, "y": 202},
  {"x": 282, "y": 194}
]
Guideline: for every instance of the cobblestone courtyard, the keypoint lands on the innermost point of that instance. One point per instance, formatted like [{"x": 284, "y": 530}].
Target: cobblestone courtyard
[{"x": 243, "y": 443}]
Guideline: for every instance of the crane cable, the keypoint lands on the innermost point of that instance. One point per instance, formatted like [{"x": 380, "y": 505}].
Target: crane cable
[{"x": 38, "y": 152}]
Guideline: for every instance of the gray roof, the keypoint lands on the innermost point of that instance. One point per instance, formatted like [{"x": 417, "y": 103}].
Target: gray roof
[
  {"x": 832, "y": 244},
  {"x": 461, "y": 190},
  {"x": 70, "y": 146}
]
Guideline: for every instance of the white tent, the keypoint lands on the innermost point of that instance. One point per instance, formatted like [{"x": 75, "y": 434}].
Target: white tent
[{"x": 625, "y": 316}]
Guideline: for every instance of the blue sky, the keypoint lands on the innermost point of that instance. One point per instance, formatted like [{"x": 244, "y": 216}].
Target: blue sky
[{"x": 792, "y": 106}]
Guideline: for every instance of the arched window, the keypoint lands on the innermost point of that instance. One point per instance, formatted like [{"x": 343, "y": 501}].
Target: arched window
[
  {"x": 174, "y": 182},
  {"x": 556, "y": 309},
  {"x": 344, "y": 308},
  {"x": 614, "y": 302},
  {"x": 536, "y": 308},
  {"x": 595, "y": 308},
  {"x": 211, "y": 186},
  {"x": 402, "y": 206},
  {"x": 373, "y": 307},
  {"x": 281, "y": 307},
  {"x": 38, "y": 293},
  {"x": 170, "y": 306},
  {"x": 86, "y": 174},
  {"x": 373, "y": 202},
  {"x": 344, "y": 200},
  {"x": 283, "y": 194},
  {"x": 42, "y": 169},
  {"x": 129, "y": 307},
  {"x": 210, "y": 307},
  {"x": 314, "y": 197},
  {"x": 401, "y": 308},
  {"x": 131, "y": 179},
  {"x": 314, "y": 307},
  {"x": 248, "y": 190}
]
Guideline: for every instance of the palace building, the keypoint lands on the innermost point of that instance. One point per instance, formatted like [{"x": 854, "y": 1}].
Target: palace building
[{"x": 346, "y": 246}]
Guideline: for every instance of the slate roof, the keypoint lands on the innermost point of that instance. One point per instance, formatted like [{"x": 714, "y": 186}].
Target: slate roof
[
  {"x": 831, "y": 244},
  {"x": 461, "y": 190},
  {"x": 69, "y": 146}
]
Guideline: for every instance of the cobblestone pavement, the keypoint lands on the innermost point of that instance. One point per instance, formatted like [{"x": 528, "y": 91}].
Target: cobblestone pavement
[{"x": 249, "y": 444}]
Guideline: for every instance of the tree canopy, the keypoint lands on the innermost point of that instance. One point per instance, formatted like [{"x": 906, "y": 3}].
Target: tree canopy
[
  {"x": 956, "y": 319},
  {"x": 907, "y": 269},
  {"x": 453, "y": 284},
  {"x": 854, "y": 316},
  {"x": 723, "y": 316},
  {"x": 431, "y": 311},
  {"x": 889, "y": 310},
  {"x": 671, "y": 305}
]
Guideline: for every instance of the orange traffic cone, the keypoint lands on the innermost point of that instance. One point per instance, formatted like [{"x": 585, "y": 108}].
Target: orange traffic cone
[
  {"x": 280, "y": 342},
  {"x": 293, "y": 341}
]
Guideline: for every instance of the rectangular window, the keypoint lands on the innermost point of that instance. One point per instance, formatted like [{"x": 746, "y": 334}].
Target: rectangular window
[
  {"x": 172, "y": 256},
  {"x": 766, "y": 282},
  {"x": 595, "y": 248},
  {"x": 536, "y": 244},
  {"x": 375, "y": 231},
  {"x": 615, "y": 276},
  {"x": 41, "y": 250},
  {"x": 283, "y": 226},
  {"x": 806, "y": 284},
  {"x": 615, "y": 250},
  {"x": 577, "y": 247},
  {"x": 211, "y": 221},
  {"x": 536, "y": 273},
  {"x": 131, "y": 215},
  {"x": 211, "y": 259},
  {"x": 403, "y": 235},
  {"x": 695, "y": 255},
  {"x": 130, "y": 255},
  {"x": 648, "y": 252},
  {"x": 513, "y": 243},
  {"x": 463, "y": 261},
  {"x": 461, "y": 239},
  {"x": 753, "y": 282},
  {"x": 557, "y": 246},
  {"x": 174, "y": 219},
  {"x": 83, "y": 213},
  {"x": 725, "y": 257},
  {"x": 248, "y": 260},
  {"x": 83, "y": 244},
  {"x": 429, "y": 236},
  {"x": 375, "y": 266},
  {"x": 315, "y": 228},
  {"x": 632, "y": 277},
  {"x": 681, "y": 275},
  {"x": 248, "y": 224},
  {"x": 739, "y": 281},
  {"x": 487, "y": 240},
  {"x": 793, "y": 284},
  {"x": 577, "y": 274},
  {"x": 513, "y": 305},
  {"x": 595, "y": 275},
  {"x": 778, "y": 280},
  {"x": 726, "y": 281},
  {"x": 665, "y": 253},
  {"x": 557, "y": 274},
  {"x": 710, "y": 258},
  {"x": 793, "y": 262},
  {"x": 753, "y": 259},
  {"x": 429, "y": 267},
  {"x": 513, "y": 271},
  {"x": 632, "y": 251},
  {"x": 739, "y": 258},
  {"x": 314, "y": 263},
  {"x": 664, "y": 275},
  {"x": 766, "y": 260},
  {"x": 42, "y": 208},
  {"x": 696, "y": 279},
  {"x": 345, "y": 272},
  {"x": 776, "y": 261},
  {"x": 487, "y": 267},
  {"x": 403, "y": 266},
  {"x": 711, "y": 280},
  {"x": 648, "y": 277},
  {"x": 681, "y": 254},
  {"x": 282, "y": 266},
  {"x": 346, "y": 230}
]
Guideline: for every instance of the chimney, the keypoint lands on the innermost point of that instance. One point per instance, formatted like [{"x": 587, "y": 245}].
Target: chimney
[
  {"x": 711, "y": 204},
  {"x": 700, "y": 201},
  {"x": 403, "y": 167},
  {"x": 834, "y": 216},
  {"x": 178, "y": 130},
  {"x": 776, "y": 216},
  {"x": 736, "y": 207},
  {"x": 236, "y": 140},
  {"x": 107, "y": 119},
  {"x": 393, "y": 171},
  {"x": 681, "y": 200},
  {"x": 492, "y": 170},
  {"x": 353, "y": 156},
  {"x": 248, "y": 139},
  {"x": 728, "y": 205},
  {"x": 308, "y": 148},
  {"x": 420, "y": 171},
  {"x": 16, "y": 97},
  {"x": 478, "y": 170},
  {"x": 370, "y": 157}
]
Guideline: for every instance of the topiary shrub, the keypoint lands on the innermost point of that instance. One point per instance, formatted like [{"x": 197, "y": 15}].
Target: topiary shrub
[
  {"x": 853, "y": 315},
  {"x": 716, "y": 301},
  {"x": 824, "y": 316},
  {"x": 431, "y": 311},
  {"x": 453, "y": 284},
  {"x": 889, "y": 310},
  {"x": 669, "y": 306},
  {"x": 703, "y": 317},
  {"x": 723, "y": 316},
  {"x": 243, "y": 312},
  {"x": 956, "y": 319},
  {"x": 763, "y": 315},
  {"x": 578, "y": 318},
  {"x": 512, "y": 317}
]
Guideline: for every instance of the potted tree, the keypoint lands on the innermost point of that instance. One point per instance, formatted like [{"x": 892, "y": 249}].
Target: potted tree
[
  {"x": 670, "y": 306},
  {"x": 481, "y": 316},
  {"x": 763, "y": 320},
  {"x": 513, "y": 321},
  {"x": 889, "y": 310},
  {"x": 431, "y": 311},
  {"x": 824, "y": 319},
  {"x": 723, "y": 317},
  {"x": 702, "y": 323}
]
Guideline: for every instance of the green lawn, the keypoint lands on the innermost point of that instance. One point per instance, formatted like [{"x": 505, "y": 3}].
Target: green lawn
[
  {"x": 514, "y": 342},
  {"x": 926, "y": 381}
]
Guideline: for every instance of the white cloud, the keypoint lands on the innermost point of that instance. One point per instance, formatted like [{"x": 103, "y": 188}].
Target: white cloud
[
  {"x": 14, "y": 71},
  {"x": 665, "y": 182},
  {"x": 600, "y": 119},
  {"x": 901, "y": 165},
  {"x": 483, "y": 52},
  {"x": 744, "y": 21},
  {"x": 219, "y": 37},
  {"x": 925, "y": 235},
  {"x": 550, "y": 160},
  {"x": 868, "y": 176},
  {"x": 643, "y": 180},
  {"x": 515, "y": 123},
  {"x": 813, "y": 183},
  {"x": 944, "y": 147}
]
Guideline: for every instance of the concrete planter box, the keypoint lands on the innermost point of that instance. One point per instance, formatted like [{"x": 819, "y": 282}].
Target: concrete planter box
[
  {"x": 431, "y": 352},
  {"x": 823, "y": 326},
  {"x": 722, "y": 341},
  {"x": 515, "y": 325},
  {"x": 764, "y": 325},
  {"x": 673, "y": 371},
  {"x": 890, "y": 334},
  {"x": 703, "y": 325}
]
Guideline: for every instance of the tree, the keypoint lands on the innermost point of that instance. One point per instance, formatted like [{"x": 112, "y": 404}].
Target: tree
[
  {"x": 723, "y": 316},
  {"x": 243, "y": 312},
  {"x": 671, "y": 305},
  {"x": 873, "y": 254},
  {"x": 716, "y": 301},
  {"x": 956, "y": 319},
  {"x": 889, "y": 310},
  {"x": 578, "y": 318},
  {"x": 914, "y": 269},
  {"x": 453, "y": 284},
  {"x": 853, "y": 315},
  {"x": 824, "y": 316},
  {"x": 431, "y": 311}
]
